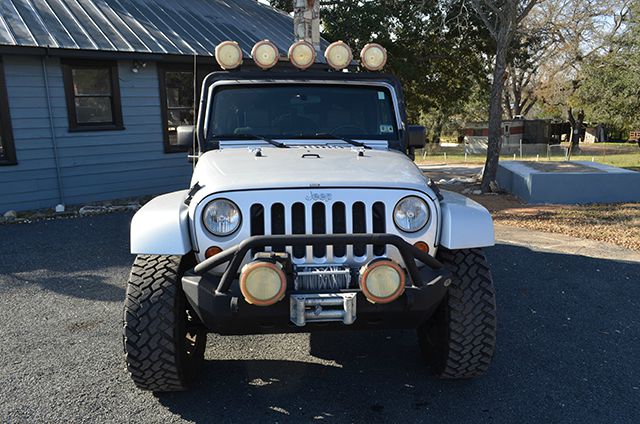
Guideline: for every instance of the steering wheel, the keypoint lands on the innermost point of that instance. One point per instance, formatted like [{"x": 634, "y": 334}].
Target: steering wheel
[{"x": 359, "y": 130}]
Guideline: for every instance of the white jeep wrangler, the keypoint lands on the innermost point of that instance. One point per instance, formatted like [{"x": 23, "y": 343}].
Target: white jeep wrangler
[{"x": 306, "y": 212}]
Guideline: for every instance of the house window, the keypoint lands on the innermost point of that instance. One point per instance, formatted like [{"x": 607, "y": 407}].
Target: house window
[
  {"x": 176, "y": 96},
  {"x": 93, "y": 95},
  {"x": 7, "y": 150}
]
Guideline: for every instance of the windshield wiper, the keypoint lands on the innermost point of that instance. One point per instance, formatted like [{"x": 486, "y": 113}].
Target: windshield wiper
[
  {"x": 251, "y": 137},
  {"x": 338, "y": 137}
]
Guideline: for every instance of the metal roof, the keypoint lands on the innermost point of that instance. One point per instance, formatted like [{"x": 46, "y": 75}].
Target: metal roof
[{"x": 175, "y": 27}]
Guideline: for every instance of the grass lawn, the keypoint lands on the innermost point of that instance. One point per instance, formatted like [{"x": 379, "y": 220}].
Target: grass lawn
[
  {"x": 629, "y": 161},
  {"x": 622, "y": 155}
]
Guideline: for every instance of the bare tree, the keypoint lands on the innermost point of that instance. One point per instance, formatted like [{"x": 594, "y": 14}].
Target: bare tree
[
  {"x": 519, "y": 96},
  {"x": 531, "y": 48},
  {"x": 549, "y": 49},
  {"x": 566, "y": 34},
  {"x": 502, "y": 19}
]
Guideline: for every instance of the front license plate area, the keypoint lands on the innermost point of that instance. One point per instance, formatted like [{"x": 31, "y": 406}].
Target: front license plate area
[{"x": 322, "y": 307}]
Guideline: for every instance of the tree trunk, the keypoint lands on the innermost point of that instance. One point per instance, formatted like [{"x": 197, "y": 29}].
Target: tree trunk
[
  {"x": 507, "y": 105},
  {"x": 581, "y": 128},
  {"x": 495, "y": 116},
  {"x": 576, "y": 131},
  {"x": 436, "y": 130},
  {"x": 532, "y": 102}
]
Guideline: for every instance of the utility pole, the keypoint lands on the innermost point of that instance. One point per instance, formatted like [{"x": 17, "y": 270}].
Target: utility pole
[{"x": 306, "y": 21}]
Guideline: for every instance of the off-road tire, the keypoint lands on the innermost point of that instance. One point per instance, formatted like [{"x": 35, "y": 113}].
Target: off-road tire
[
  {"x": 459, "y": 340},
  {"x": 163, "y": 342}
]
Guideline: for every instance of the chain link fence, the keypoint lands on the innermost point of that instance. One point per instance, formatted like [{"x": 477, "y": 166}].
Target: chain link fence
[{"x": 626, "y": 155}]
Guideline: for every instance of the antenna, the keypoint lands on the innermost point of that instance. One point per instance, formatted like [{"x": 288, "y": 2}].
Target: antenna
[{"x": 195, "y": 112}]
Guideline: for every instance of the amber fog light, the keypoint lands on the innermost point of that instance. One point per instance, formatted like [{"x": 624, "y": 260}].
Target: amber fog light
[
  {"x": 382, "y": 281},
  {"x": 302, "y": 54},
  {"x": 265, "y": 54},
  {"x": 373, "y": 57},
  {"x": 338, "y": 55},
  {"x": 228, "y": 55},
  {"x": 263, "y": 283}
]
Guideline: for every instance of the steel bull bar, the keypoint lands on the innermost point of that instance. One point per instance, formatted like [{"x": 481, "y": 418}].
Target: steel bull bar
[{"x": 236, "y": 254}]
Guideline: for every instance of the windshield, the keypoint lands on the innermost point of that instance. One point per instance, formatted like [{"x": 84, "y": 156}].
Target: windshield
[{"x": 299, "y": 110}]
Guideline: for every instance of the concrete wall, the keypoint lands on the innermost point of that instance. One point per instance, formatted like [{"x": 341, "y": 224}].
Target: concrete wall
[
  {"x": 602, "y": 184},
  {"x": 96, "y": 165}
]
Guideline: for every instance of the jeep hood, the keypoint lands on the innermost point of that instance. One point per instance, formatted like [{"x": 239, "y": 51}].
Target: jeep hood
[{"x": 234, "y": 169}]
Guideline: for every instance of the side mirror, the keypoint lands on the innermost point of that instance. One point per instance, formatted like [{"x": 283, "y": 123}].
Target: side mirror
[
  {"x": 184, "y": 135},
  {"x": 416, "y": 136}
]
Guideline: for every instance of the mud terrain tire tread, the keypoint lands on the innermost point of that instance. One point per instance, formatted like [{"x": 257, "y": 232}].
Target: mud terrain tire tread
[
  {"x": 154, "y": 326},
  {"x": 459, "y": 340}
]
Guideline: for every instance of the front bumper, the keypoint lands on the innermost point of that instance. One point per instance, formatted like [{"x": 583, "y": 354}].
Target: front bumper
[{"x": 221, "y": 307}]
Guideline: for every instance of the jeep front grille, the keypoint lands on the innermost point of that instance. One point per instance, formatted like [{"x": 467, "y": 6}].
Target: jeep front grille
[
  {"x": 321, "y": 218},
  {"x": 321, "y": 211}
]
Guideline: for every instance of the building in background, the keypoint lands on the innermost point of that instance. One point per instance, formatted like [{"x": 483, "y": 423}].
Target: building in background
[
  {"x": 596, "y": 133},
  {"x": 91, "y": 91},
  {"x": 526, "y": 136}
]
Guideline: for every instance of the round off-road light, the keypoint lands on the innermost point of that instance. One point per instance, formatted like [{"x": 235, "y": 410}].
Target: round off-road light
[
  {"x": 411, "y": 214},
  {"x": 262, "y": 283},
  {"x": 338, "y": 55},
  {"x": 228, "y": 55},
  {"x": 265, "y": 54},
  {"x": 302, "y": 54},
  {"x": 373, "y": 57},
  {"x": 221, "y": 217},
  {"x": 382, "y": 281}
]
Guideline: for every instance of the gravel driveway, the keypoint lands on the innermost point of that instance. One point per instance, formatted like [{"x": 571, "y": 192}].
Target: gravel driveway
[{"x": 568, "y": 347}]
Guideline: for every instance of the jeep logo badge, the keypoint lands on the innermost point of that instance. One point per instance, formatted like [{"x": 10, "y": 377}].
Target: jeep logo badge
[{"x": 318, "y": 197}]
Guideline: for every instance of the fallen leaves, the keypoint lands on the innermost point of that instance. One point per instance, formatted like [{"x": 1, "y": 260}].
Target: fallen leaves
[{"x": 618, "y": 224}]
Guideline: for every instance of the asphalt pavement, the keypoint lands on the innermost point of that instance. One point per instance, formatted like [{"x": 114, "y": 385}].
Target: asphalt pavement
[{"x": 568, "y": 347}]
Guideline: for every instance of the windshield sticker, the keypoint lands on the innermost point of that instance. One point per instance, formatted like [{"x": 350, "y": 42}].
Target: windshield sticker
[
  {"x": 380, "y": 95},
  {"x": 386, "y": 128}
]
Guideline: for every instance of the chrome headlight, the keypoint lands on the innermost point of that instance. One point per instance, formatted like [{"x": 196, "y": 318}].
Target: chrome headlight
[
  {"x": 411, "y": 214},
  {"x": 221, "y": 217}
]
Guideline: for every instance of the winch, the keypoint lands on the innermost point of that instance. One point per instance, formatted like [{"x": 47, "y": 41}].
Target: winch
[
  {"x": 323, "y": 278},
  {"x": 322, "y": 307}
]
